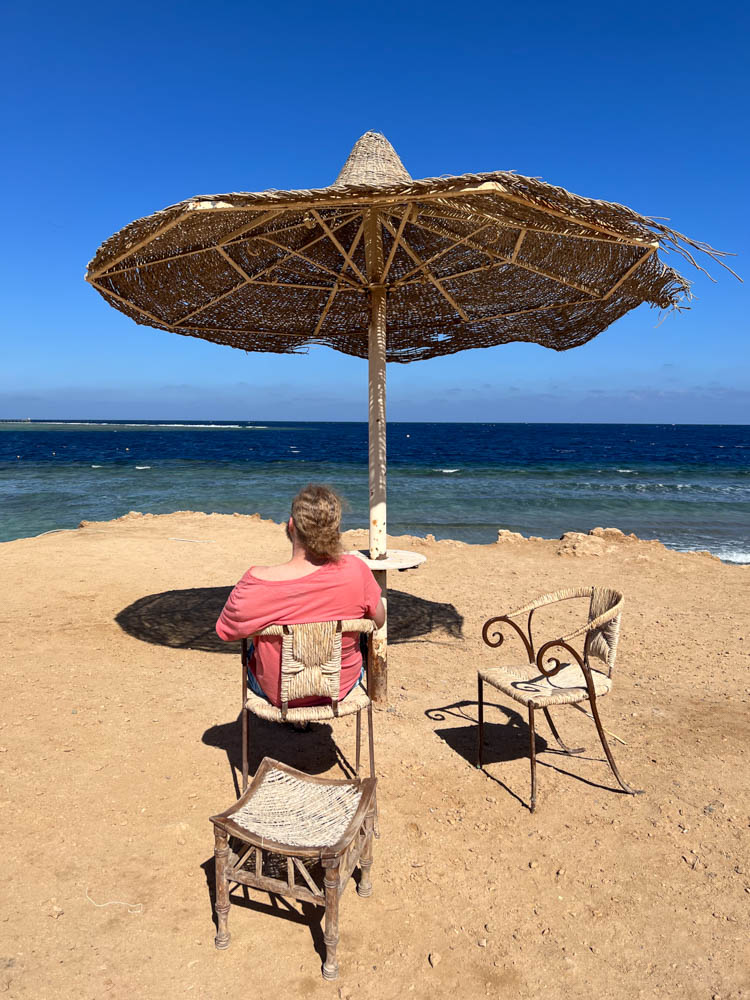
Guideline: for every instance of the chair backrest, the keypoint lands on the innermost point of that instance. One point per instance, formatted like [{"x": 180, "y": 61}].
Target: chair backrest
[
  {"x": 602, "y": 640},
  {"x": 311, "y": 661},
  {"x": 311, "y": 658}
]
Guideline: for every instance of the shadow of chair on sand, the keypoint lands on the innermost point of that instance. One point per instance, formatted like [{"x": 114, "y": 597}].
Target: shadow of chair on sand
[
  {"x": 504, "y": 740},
  {"x": 185, "y": 619}
]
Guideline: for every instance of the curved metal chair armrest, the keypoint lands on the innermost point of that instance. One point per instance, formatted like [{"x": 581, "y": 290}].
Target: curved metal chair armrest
[
  {"x": 552, "y": 598},
  {"x": 558, "y": 664},
  {"x": 597, "y": 622},
  {"x": 496, "y": 638}
]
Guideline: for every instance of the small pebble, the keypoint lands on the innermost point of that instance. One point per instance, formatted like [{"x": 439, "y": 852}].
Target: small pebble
[{"x": 434, "y": 958}]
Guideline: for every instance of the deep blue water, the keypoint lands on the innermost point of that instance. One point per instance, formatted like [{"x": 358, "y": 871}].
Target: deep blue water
[{"x": 688, "y": 485}]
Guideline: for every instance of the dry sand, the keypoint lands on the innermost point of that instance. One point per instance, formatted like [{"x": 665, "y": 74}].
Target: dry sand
[{"x": 120, "y": 737}]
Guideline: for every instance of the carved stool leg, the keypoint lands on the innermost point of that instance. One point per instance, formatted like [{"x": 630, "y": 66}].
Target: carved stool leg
[
  {"x": 365, "y": 861},
  {"x": 532, "y": 753},
  {"x": 480, "y": 734},
  {"x": 331, "y": 933},
  {"x": 221, "y": 854}
]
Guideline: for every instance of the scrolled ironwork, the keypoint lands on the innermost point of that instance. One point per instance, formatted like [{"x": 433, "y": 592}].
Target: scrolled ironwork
[
  {"x": 558, "y": 663},
  {"x": 496, "y": 638}
]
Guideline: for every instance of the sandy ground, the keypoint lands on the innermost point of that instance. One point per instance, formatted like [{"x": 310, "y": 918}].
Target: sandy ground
[{"x": 119, "y": 739}]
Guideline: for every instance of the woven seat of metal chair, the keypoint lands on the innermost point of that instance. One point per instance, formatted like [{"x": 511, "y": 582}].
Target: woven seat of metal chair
[
  {"x": 355, "y": 701},
  {"x": 298, "y": 812},
  {"x": 527, "y": 685}
]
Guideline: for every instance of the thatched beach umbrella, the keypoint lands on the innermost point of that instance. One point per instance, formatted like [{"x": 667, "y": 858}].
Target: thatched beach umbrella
[{"x": 387, "y": 268}]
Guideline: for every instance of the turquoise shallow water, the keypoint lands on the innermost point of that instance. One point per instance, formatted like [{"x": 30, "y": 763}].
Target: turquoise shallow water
[{"x": 687, "y": 485}]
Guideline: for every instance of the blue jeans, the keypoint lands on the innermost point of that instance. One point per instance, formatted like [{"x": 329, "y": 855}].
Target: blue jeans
[{"x": 252, "y": 680}]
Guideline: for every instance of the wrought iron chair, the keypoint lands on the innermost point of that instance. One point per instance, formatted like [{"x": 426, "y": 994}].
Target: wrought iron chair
[
  {"x": 288, "y": 830},
  {"x": 540, "y": 685},
  {"x": 310, "y": 667}
]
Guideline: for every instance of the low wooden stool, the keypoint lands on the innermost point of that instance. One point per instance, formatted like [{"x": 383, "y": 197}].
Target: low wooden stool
[{"x": 315, "y": 823}]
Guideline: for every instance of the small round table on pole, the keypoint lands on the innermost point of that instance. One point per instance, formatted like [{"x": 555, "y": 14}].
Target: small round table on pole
[{"x": 377, "y": 671}]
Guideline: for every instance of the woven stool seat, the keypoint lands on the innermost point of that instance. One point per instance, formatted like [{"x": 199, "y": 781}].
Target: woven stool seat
[
  {"x": 297, "y": 811},
  {"x": 313, "y": 823},
  {"x": 355, "y": 701},
  {"x": 527, "y": 685}
]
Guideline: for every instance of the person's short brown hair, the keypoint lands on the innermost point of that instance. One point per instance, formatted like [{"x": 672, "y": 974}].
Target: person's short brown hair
[{"x": 316, "y": 512}]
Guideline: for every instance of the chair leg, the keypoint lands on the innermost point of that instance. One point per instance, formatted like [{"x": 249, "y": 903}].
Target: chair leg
[
  {"x": 563, "y": 747},
  {"x": 599, "y": 728},
  {"x": 365, "y": 861},
  {"x": 331, "y": 933},
  {"x": 480, "y": 734},
  {"x": 371, "y": 740},
  {"x": 245, "y": 746},
  {"x": 221, "y": 854},
  {"x": 371, "y": 746},
  {"x": 359, "y": 740},
  {"x": 532, "y": 754}
]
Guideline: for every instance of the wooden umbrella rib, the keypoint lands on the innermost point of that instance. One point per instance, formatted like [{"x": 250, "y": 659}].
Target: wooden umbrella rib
[
  {"x": 415, "y": 257},
  {"x": 505, "y": 224},
  {"x": 128, "y": 303},
  {"x": 499, "y": 264},
  {"x": 334, "y": 291},
  {"x": 440, "y": 253},
  {"x": 492, "y": 187},
  {"x": 346, "y": 254},
  {"x": 517, "y": 247},
  {"x": 290, "y": 253},
  {"x": 137, "y": 246},
  {"x": 212, "y": 302},
  {"x": 627, "y": 274},
  {"x": 396, "y": 241},
  {"x": 525, "y": 312},
  {"x": 311, "y": 288},
  {"x": 324, "y": 312},
  {"x": 233, "y": 264},
  {"x": 298, "y": 253},
  {"x": 517, "y": 263},
  {"x": 191, "y": 253}
]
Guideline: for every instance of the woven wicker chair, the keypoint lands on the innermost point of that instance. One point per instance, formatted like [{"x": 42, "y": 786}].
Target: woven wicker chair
[
  {"x": 310, "y": 667},
  {"x": 293, "y": 825},
  {"x": 540, "y": 686}
]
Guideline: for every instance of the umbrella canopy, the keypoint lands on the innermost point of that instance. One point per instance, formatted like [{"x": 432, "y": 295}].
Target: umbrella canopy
[
  {"x": 468, "y": 261},
  {"x": 385, "y": 267}
]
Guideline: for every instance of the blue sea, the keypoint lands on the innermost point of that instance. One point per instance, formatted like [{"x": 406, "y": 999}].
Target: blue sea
[{"x": 687, "y": 485}]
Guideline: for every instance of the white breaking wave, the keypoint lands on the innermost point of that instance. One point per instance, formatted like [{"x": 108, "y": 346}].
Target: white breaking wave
[
  {"x": 96, "y": 466},
  {"x": 143, "y": 466},
  {"x": 733, "y": 555},
  {"x": 446, "y": 470}
]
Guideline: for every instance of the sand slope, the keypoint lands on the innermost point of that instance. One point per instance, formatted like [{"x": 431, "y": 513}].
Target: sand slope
[{"x": 119, "y": 734}]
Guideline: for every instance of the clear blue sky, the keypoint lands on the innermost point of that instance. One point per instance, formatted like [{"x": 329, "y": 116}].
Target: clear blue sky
[{"x": 115, "y": 111}]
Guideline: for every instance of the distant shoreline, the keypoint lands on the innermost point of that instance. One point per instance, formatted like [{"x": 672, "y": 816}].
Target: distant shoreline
[{"x": 227, "y": 424}]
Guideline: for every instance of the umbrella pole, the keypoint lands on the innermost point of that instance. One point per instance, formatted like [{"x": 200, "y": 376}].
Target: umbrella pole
[{"x": 378, "y": 668}]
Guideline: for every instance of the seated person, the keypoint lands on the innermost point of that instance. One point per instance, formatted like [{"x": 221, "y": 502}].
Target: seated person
[{"x": 319, "y": 583}]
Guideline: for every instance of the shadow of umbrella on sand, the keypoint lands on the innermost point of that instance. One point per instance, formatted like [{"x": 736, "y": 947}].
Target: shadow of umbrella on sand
[
  {"x": 388, "y": 268},
  {"x": 185, "y": 619}
]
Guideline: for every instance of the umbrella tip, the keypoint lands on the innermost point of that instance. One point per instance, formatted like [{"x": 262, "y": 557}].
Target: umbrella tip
[{"x": 373, "y": 162}]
